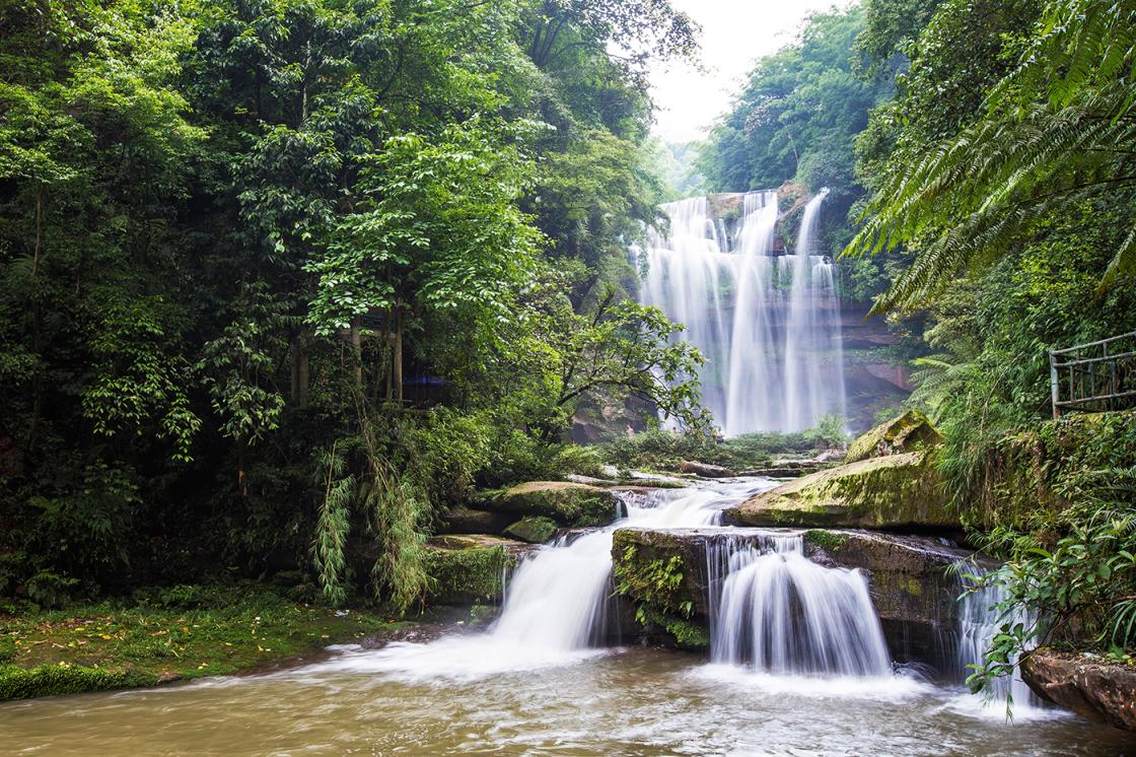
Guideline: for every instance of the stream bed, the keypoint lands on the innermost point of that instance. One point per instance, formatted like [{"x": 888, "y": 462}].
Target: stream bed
[{"x": 630, "y": 701}]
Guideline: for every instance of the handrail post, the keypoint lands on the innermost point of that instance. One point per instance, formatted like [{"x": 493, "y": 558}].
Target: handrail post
[{"x": 1053, "y": 392}]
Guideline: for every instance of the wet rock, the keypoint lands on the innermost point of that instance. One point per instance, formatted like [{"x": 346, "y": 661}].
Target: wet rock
[
  {"x": 913, "y": 589},
  {"x": 1086, "y": 685},
  {"x": 893, "y": 492},
  {"x": 569, "y": 504},
  {"x": 469, "y": 568},
  {"x": 662, "y": 575},
  {"x": 785, "y": 469},
  {"x": 535, "y": 529},
  {"x": 910, "y": 432},
  {"x": 705, "y": 470}
]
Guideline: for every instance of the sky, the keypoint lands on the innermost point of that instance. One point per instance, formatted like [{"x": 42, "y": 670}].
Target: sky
[{"x": 735, "y": 33}]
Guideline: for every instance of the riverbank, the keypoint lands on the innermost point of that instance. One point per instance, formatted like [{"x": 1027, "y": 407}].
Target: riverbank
[{"x": 169, "y": 634}]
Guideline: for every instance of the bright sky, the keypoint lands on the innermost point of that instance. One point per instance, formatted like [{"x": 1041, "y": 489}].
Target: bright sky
[{"x": 735, "y": 33}]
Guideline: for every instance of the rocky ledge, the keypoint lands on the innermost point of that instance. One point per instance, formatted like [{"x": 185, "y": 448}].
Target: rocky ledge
[
  {"x": 535, "y": 510},
  {"x": 895, "y": 492},
  {"x": 1085, "y": 684}
]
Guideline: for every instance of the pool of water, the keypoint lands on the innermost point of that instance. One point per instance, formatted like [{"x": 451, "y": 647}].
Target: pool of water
[{"x": 624, "y": 701}]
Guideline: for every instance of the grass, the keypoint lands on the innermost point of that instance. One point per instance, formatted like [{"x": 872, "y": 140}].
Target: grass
[{"x": 174, "y": 634}]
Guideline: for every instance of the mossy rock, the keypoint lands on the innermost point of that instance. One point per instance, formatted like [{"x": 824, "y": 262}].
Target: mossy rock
[
  {"x": 909, "y": 432},
  {"x": 466, "y": 520},
  {"x": 892, "y": 492},
  {"x": 662, "y": 575},
  {"x": 568, "y": 504},
  {"x": 468, "y": 569},
  {"x": 535, "y": 529}
]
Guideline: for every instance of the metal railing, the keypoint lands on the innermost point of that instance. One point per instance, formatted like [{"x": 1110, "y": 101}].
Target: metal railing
[{"x": 1095, "y": 376}]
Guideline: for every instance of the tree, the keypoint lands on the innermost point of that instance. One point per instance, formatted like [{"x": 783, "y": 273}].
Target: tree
[{"x": 1058, "y": 129}]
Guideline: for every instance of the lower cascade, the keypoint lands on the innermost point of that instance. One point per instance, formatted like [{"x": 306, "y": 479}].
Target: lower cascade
[
  {"x": 781, "y": 613},
  {"x": 557, "y": 599}
]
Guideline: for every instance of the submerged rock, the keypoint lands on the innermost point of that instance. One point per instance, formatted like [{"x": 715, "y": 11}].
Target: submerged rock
[
  {"x": 909, "y": 432},
  {"x": 1086, "y": 685},
  {"x": 892, "y": 492},
  {"x": 569, "y": 504}
]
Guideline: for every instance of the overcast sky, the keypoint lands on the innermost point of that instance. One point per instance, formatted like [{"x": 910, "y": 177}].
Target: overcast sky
[{"x": 734, "y": 34}]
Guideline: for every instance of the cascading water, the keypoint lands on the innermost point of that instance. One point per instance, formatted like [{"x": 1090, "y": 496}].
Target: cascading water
[
  {"x": 780, "y": 613},
  {"x": 774, "y": 359},
  {"x": 979, "y": 621},
  {"x": 554, "y": 609}
]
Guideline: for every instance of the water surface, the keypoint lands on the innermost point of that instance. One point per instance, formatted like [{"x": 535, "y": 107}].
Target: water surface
[{"x": 630, "y": 701}]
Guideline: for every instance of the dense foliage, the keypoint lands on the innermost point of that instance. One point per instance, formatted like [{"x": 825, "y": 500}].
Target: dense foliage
[
  {"x": 284, "y": 277},
  {"x": 1000, "y": 182}
]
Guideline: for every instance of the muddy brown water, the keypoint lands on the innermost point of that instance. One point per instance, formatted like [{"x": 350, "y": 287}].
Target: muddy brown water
[{"x": 616, "y": 702}]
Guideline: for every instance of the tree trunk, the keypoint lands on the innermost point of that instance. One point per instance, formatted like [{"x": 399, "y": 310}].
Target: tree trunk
[
  {"x": 301, "y": 370},
  {"x": 396, "y": 360},
  {"x": 357, "y": 352}
]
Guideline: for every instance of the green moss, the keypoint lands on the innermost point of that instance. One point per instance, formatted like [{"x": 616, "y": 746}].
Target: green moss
[
  {"x": 465, "y": 575},
  {"x": 685, "y": 633},
  {"x": 831, "y": 541},
  {"x": 105, "y": 646},
  {"x": 62, "y": 678},
  {"x": 535, "y": 529},
  {"x": 653, "y": 582}
]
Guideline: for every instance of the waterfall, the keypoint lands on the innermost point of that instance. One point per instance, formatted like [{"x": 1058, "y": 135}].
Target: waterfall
[
  {"x": 778, "y": 612},
  {"x": 814, "y": 383},
  {"x": 979, "y": 621},
  {"x": 768, "y": 325},
  {"x": 754, "y": 350}
]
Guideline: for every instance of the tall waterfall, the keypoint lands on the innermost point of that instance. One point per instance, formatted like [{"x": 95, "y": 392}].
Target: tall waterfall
[
  {"x": 781, "y": 613},
  {"x": 769, "y": 325}
]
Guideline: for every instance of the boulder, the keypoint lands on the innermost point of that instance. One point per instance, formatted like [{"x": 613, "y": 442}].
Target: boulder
[
  {"x": 1085, "y": 684},
  {"x": 910, "y": 432},
  {"x": 535, "y": 529},
  {"x": 569, "y": 504},
  {"x": 467, "y": 569},
  {"x": 893, "y": 492},
  {"x": 705, "y": 470}
]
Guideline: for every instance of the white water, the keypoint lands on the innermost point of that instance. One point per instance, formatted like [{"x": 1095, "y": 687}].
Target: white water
[
  {"x": 782, "y": 614},
  {"x": 774, "y": 359},
  {"x": 979, "y": 621}
]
